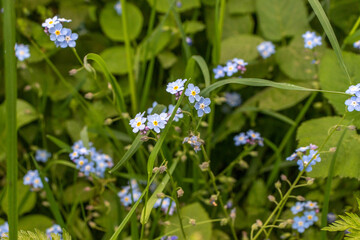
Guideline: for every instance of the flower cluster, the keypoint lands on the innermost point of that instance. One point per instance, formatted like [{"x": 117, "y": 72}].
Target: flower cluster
[
  {"x": 250, "y": 137},
  {"x": 309, "y": 210},
  {"x": 54, "y": 229},
  {"x": 166, "y": 204},
  {"x": 4, "y": 230},
  {"x": 22, "y": 51},
  {"x": 169, "y": 238},
  {"x": 306, "y": 157},
  {"x": 90, "y": 160},
  {"x": 194, "y": 141},
  {"x": 33, "y": 179},
  {"x": 62, "y": 37},
  {"x": 176, "y": 88},
  {"x": 232, "y": 67},
  {"x": 202, "y": 104},
  {"x": 353, "y": 103},
  {"x": 233, "y": 99},
  {"x": 118, "y": 8},
  {"x": 357, "y": 44},
  {"x": 130, "y": 193},
  {"x": 311, "y": 40},
  {"x": 266, "y": 49},
  {"x": 42, "y": 155}
]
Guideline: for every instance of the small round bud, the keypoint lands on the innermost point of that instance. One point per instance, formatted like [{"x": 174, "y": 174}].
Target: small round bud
[
  {"x": 107, "y": 203},
  {"x": 243, "y": 164},
  {"x": 204, "y": 166},
  {"x": 72, "y": 72},
  {"x": 45, "y": 204},
  {"x": 162, "y": 169},
  {"x": 89, "y": 95},
  {"x": 333, "y": 149},
  {"x": 183, "y": 158},
  {"x": 92, "y": 224},
  {"x": 309, "y": 181},
  {"x": 352, "y": 127},
  {"x": 192, "y": 221},
  {"x": 259, "y": 222},
  {"x": 224, "y": 221},
  {"x": 95, "y": 214},
  {"x": 254, "y": 226},
  {"x": 108, "y": 121},
  {"x": 300, "y": 198},
  {"x": 271, "y": 198},
  {"x": 27, "y": 88},
  {"x": 180, "y": 192},
  {"x": 160, "y": 195},
  {"x": 282, "y": 225},
  {"x": 283, "y": 177},
  {"x": 278, "y": 184},
  {"x": 144, "y": 138},
  {"x": 155, "y": 170},
  {"x": 87, "y": 189},
  {"x": 89, "y": 207}
]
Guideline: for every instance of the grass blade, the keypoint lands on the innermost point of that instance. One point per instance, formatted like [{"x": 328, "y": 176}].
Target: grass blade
[
  {"x": 256, "y": 82},
  {"x": 10, "y": 103},
  {"x": 319, "y": 11},
  {"x": 50, "y": 197},
  {"x": 325, "y": 205},
  {"x": 64, "y": 146},
  {"x": 204, "y": 68}
]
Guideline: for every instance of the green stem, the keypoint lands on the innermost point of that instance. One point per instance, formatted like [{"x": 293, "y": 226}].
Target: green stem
[
  {"x": 77, "y": 56},
  {"x": 129, "y": 60},
  {"x": 10, "y": 106},
  {"x": 356, "y": 25}
]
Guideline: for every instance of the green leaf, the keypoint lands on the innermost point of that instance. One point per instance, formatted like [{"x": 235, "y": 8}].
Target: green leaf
[
  {"x": 241, "y": 6},
  {"x": 26, "y": 199},
  {"x": 343, "y": 13},
  {"x": 319, "y": 11},
  {"x": 115, "y": 59},
  {"x": 78, "y": 193},
  {"x": 316, "y": 131},
  {"x": 84, "y": 137},
  {"x": 163, "y": 5},
  {"x": 111, "y": 22},
  {"x": 281, "y": 18},
  {"x": 240, "y": 46},
  {"x": 257, "y": 195},
  {"x": 167, "y": 59},
  {"x": 30, "y": 222},
  {"x": 261, "y": 83},
  {"x": 201, "y": 230},
  {"x": 296, "y": 61},
  {"x": 64, "y": 146},
  {"x": 25, "y": 113},
  {"x": 333, "y": 77},
  {"x": 191, "y": 27}
]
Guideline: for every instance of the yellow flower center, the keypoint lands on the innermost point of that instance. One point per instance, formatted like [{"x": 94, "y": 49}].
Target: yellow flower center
[
  {"x": 155, "y": 123},
  {"x": 138, "y": 124},
  {"x": 241, "y": 138},
  {"x": 81, "y": 163},
  {"x": 27, "y": 179},
  {"x": 309, "y": 43},
  {"x": 202, "y": 106},
  {"x": 67, "y": 38},
  {"x": 253, "y": 135},
  {"x": 51, "y": 22},
  {"x": 193, "y": 93},
  {"x": 310, "y": 217},
  {"x": 354, "y": 103},
  {"x": 126, "y": 199},
  {"x": 57, "y": 32},
  {"x": 300, "y": 223},
  {"x": 36, "y": 181},
  {"x": 231, "y": 68},
  {"x": 22, "y": 52},
  {"x": 176, "y": 87}
]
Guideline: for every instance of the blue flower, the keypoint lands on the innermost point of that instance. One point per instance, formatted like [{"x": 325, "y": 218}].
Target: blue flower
[
  {"x": 202, "y": 106},
  {"x": 311, "y": 205},
  {"x": 331, "y": 217},
  {"x": 129, "y": 194},
  {"x": 118, "y": 8},
  {"x": 353, "y": 89},
  {"x": 311, "y": 217},
  {"x": 176, "y": 87},
  {"x": 156, "y": 123},
  {"x": 4, "y": 230},
  {"x": 292, "y": 157},
  {"x": 230, "y": 68},
  {"x": 22, "y": 51},
  {"x": 89, "y": 168},
  {"x": 299, "y": 207},
  {"x": 167, "y": 205},
  {"x": 311, "y": 40},
  {"x": 37, "y": 183},
  {"x": 149, "y": 110},
  {"x": 266, "y": 49},
  {"x": 194, "y": 141},
  {"x": 169, "y": 238},
  {"x": 193, "y": 93},
  {"x": 357, "y": 44},
  {"x": 302, "y": 149},
  {"x": 81, "y": 162},
  {"x": 57, "y": 33},
  {"x": 50, "y": 22},
  {"x": 138, "y": 123},
  {"x": 353, "y": 103},
  {"x": 178, "y": 114},
  {"x": 54, "y": 229},
  {"x": 300, "y": 224},
  {"x": 189, "y": 41},
  {"x": 240, "y": 139},
  {"x": 219, "y": 72},
  {"x": 33, "y": 179},
  {"x": 42, "y": 155},
  {"x": 308, "y": 35},
  {"x": 314, "y": 155},
  {"x": 233, "y": 99},
  {"x": 306, "y": 162},
  {"x": 69, "y": 38},
  {"x": 240, "y": 63}
]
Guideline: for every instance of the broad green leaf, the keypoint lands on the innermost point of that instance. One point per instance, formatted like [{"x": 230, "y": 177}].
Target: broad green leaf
[
  {"x": 38, "y": 221},
  {"x": 26, "y": 199},
  {"x": 115, "y": 59},
  {"x": 157, "y": 42},
  {"x": 110, "y": 213},
  {"x": 281, "y": 18},
  {"x": 163, "y": 5},
  {"x": 191, "y": 27},
  {"x": 240, "y": 46},
  {"x": 78, "y": 192},
  {"x": 343, "y": 13},
  {"x": 167, "y": 59},
  {"x": 241, "y": 6},
  {"x": 316, "y": 131},
  {"x": 296, "y": 61},
  {"x": 333, "y": 77},
  {"x": 199, "y": 231},
  {"x": 75, "y": 10},
  {"x": 111, "y": 22},
  {"x": 219, "y": 235},
  {"x": 85, "y": 137},
  {"x": 257, "y": 195},
  {"x": 25, "y": 113}
]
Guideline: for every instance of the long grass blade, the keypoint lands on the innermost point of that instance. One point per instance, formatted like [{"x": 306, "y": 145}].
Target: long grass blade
[
  {"x": 203, "y": 66},
  {"x": 10, "y": 102},
  {"x": 319, "y": 11},
  {"x": 256, "y": 82},
  {"x": 325, "y": 205}
]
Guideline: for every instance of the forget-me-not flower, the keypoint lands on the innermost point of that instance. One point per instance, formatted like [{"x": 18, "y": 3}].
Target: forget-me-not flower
[
  {"x": 69, "y": 38},
  {"x": 219, "y": 72},
  {"x": 230, "y": 68},
  {"x": 357, "y": 44},
  {"x": 138, "y": 123},
  {"x": 118, "y": 8},
  {"x": 353, "y": 103},
  {"x": 202, "y": 106},
  {"x": 266, "y": 49},
  {"x": 156, "y": 123},
  {"x": 176, "y": 86},
  {"x": 240, "y": 139},
  {"x": 233, "y": 99},
  {"x": 22, "y": 51},
  {"x": 54, "y": 229},
  {"x": 178, "y": 114},
  {"x": 299, "y": 207},
  {"x": 192, "y": 92},
  {"x": 42, "y": 155},
  {"x": 300, "y": 224}
]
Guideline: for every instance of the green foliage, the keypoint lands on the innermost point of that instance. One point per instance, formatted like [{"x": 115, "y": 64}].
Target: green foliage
[
  {"x": 315, "y": 131},
  {"x": 163, "y": 5},
  {"x": 349, "y": 222},
  {"x": 281, "y": 18},
  {"x": 38, "y": 235}
]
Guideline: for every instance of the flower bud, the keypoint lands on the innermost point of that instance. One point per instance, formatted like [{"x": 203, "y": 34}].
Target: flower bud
[
  {"x": 352, "y": 127},
  {"x": 155, "y": 170},
  {"x": 333, "y": 149},
  {"x": 204, "y": 166},
  {"x": 283, "y": 177},
  {"x": 300, "y": 198},
  {"x": 160, "y": 195},
  {"x": 271, "y": 198},
  {"x": 192, "y": 221},
  {"x": 180, "y": 192},
  {"x": 259, "y": 222},
  {"x": 278, "y": 184}
]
